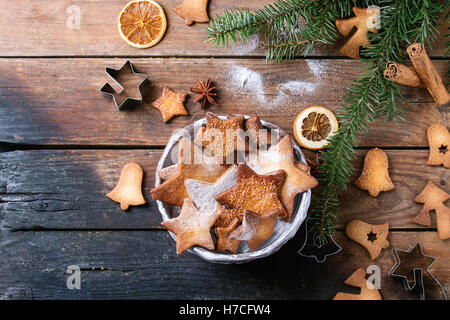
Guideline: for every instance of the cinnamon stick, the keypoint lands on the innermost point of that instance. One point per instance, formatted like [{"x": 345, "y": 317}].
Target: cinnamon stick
[
  {"x": 427, "y": 73},
  {"x": 402, "y": 74}
]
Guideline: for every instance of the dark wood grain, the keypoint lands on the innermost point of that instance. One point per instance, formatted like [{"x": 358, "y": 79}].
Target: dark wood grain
[
  {"x": 68, "y": 109},
  {"x": 130, "y": 265},
  {"x": 39, "y": 29},
  {"x": 66, "y": 190}
]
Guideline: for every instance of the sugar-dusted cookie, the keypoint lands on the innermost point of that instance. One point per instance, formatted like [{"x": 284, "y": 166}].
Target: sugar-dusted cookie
[
  {"x": 223, "y": 137},
  {"x": 170, "y": 104},
  {"x": 168, "y": 172},
  {"x": 193, "y": 11},
  {"x": 372, "y": 237},
  {"x": 433, "y": 198},
  {"x": 203, "y": 193},
  {"x": 192, "y": 227},
  {"x": 439, "y": 142},
  {"x": 173, "y": 191},
  {"x": 375, "y": 175},
  {"x": 128, "y": 190},
  {"x": 224, "y": 242},
  {"x": 256, "y": 228},
  {"x": 358, "y": 279},
  {"x": 227, "y": 215},
  {"x": 256, "y": 132},
  {"x": 253, "y": 192},
  {"x": 281, "y": 157}
]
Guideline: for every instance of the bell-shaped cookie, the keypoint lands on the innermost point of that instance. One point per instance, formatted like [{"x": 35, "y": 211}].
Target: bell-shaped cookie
[
  {"x": 375, "y": 174},
  {"x": 372, "y": 237},
  {"x": 439, "y": 142},
  {"x": 128, "y": 190}
]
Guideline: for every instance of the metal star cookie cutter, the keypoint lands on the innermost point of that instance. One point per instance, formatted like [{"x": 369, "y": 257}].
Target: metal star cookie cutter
[
  {"x": 320, "y": 252},
  {"x": 421, "y": 276},
  {"x": 109, "y": 91}
]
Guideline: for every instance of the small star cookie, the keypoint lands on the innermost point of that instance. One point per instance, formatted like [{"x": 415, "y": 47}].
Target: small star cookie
[
  {"x": 203, "y": 193},
  {"x": 256, "y": 228},
  {"x": 173, "y": 191},
  {"x": 170, "y": 104},
  {"x": 192, "y": 227},
  {"x": 223, "y": 137},
  {"x": 224, "y": 242},
  {"x": 253, "y": 192},
  {"x": 281, "y": 157}
]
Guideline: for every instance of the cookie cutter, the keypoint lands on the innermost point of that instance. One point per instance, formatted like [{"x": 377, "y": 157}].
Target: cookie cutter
[
  {"x": 318, "y": 251},
  {"x": 422, "y": 278},
  {"x": 108, "y": 90}
]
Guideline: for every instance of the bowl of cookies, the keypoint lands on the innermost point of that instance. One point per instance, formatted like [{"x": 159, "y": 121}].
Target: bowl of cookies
[{"x": 232, "y": 189}]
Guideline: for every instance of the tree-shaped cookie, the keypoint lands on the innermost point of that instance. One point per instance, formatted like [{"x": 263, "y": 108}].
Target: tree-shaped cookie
[
  {"x": 439, "y": 142},
  {"x": 193, "y": 11},
  {"x": 433, "y": 198},
  {"x": 375, "y": 175},
  {"x": 358, "y": 279},
  {"x": 364, "y": 22},
  {"x": 372, "y": 237}
]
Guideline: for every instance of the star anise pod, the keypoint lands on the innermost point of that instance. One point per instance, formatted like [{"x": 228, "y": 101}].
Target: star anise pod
[{"x": 205, "y": 93}]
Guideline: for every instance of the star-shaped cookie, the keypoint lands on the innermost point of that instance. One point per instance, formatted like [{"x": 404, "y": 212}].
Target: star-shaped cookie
[
  {"x": 173, "y": 191},
  {"x": 224, "y": 242},
  {"x": 256, "y": 228},
  {"x": 192, "y": 227},
  {"x": 223, "y": 137},
  {"x": 203, "y": 193},
  {"x": 193, "y": 11},
  {"x": 281, "y": 157},
  {"x": 226, "y": 216},
  {"x": 257, "y": 193},
  {"x": 170, "y": 104},
  {"x": 256, "y": 132}
]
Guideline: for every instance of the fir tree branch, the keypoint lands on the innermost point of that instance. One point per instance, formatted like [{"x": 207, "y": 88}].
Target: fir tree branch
[{"x": 368, "y": 97}]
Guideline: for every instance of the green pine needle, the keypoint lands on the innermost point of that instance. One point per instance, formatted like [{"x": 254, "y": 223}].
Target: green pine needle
[{"x": 294, "y": 27}]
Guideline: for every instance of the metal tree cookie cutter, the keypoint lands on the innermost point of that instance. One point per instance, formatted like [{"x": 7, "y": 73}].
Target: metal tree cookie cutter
[
  {"x": 109, "y": 91},
  {"x": 412, "y": 267}
]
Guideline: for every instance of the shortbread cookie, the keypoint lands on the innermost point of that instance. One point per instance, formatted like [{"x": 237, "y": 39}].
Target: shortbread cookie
[
  {"x": 253, "y": 192},
  {"x": 128, "y": 190},
  {"x": 256, "y": 228},
  {"x": 358, "y": 279},
  {"x": 439, "y": 142},
  {"x": 372, "y": 237},
  {"x": 191, "y": 227},
  {"x": 281, "y": 157},
  {"x": 375, "y": 175}
]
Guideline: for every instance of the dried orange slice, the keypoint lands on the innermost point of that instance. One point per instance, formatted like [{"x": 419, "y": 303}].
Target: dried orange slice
[
  {"x": 142, "y": 23},
  {"x": 313, "y": 126}
]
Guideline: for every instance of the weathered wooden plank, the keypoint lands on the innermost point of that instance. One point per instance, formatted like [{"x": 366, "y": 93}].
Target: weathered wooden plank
[
  {"x": 130, "y": 265},
  {"x": 47, "y": 29},
  {"x": 66, "y": 190},
  {"x": 68, "y": 109}
]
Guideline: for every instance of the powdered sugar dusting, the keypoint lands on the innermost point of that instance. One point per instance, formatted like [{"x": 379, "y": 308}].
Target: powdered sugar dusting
[
  {"x": 247, "y": 47},
  {"x": 203, "y": 194},
  {"x": 247, "y": 80}
]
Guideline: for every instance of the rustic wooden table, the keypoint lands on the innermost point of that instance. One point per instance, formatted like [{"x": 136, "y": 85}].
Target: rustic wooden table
[{"x": 63, "y": 145}]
